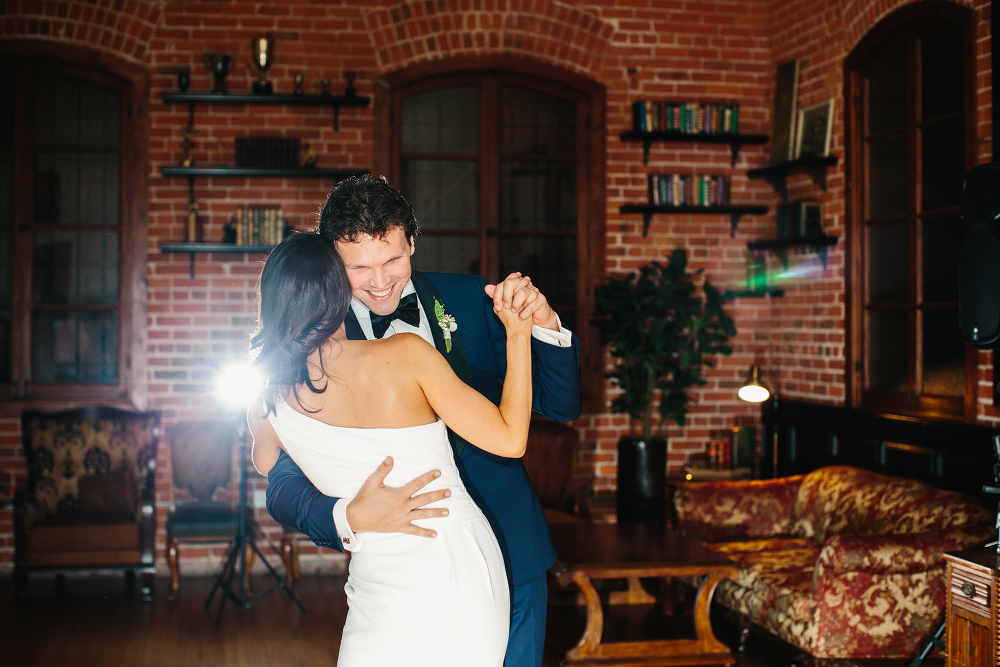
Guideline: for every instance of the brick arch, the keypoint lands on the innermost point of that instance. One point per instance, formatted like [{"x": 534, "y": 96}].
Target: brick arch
[
  {"x": 122, "y": 29},
  {"x": 867, "y": 13},
  {"x": 423, "y": 30}
]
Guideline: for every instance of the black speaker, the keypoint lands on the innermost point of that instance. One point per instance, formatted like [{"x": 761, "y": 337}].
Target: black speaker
[{"x": 979, "y": 262}]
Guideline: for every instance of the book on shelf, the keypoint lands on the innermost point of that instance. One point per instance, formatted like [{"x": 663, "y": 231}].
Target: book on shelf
[
  {"x": 688, "y": 190},
  {"x": 261, "y": 226},
  {"x": 685, "y": 117},
  {"x": 797, "y": 219}
]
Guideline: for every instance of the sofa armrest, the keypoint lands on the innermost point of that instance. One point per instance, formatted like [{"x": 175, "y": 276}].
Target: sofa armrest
[
  {"x": 719, "y": 511},
  {"x": 887, "y": 554}
]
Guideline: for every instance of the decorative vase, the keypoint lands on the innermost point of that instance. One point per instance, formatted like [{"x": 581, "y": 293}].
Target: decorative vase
[{"x": 642, "y": 470}]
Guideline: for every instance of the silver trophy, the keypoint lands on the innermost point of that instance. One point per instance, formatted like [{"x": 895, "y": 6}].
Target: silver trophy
[{"x": 263, "y": 56}]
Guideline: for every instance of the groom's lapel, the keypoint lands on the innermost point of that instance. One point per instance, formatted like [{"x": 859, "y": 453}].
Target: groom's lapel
[{"x": 352, "y": 327}]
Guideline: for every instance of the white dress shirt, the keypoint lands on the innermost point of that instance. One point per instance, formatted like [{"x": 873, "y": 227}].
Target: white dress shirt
[{"x": 562, "y": 338}]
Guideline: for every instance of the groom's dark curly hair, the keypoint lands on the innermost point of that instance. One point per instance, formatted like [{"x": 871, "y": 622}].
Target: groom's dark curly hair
[{"x": 365, "y": 206}]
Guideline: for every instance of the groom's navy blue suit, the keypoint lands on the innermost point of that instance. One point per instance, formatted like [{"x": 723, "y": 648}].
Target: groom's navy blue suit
[{"x": 499, "y": 485}]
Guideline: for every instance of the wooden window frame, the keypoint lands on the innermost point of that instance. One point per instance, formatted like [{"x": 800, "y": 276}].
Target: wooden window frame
[
  {"x": 898, "y": 25},
  {"x": 130, "y": 390},
  {"x": 590, "y": 99}
]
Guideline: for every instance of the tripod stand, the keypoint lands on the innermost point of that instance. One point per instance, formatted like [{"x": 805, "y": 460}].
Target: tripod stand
[{"x": 236, "y": 561}]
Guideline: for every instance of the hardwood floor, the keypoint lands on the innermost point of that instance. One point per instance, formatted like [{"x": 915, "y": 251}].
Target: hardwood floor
[{"x": 95, "y": 624}]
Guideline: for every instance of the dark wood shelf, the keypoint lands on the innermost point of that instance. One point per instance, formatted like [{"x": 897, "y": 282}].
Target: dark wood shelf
[
  {"x": 193, "y": 249},
  {"x": 735, "y": 141},
  {"x": 261, "y": 172},
  {"x": 777, "y": 174},
  {"x": 753, "y": 293},
  {"x": 333, "y": 101},
  {"x": 734, "y": 212},
  {"x": 817, "y": 244}
]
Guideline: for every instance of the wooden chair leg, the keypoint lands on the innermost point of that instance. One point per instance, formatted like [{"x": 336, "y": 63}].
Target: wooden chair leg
[
  {"x": 295, "y": 560},
  {"x": 286, "y": 558},
  {"x": 175, "y": 575},
  {"x": 247, "y": 566}
]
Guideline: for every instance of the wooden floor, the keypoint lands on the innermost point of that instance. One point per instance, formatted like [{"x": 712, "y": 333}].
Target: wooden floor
[{"x": 95, "y": 624}]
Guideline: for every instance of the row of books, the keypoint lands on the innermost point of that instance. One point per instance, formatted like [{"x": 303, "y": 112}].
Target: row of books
[
  {"x": 687, "y": 117},
  {"x": 688, "y": 190},
  {"x": 800, "y": 218},
  {"x": 261, "y": 226}
]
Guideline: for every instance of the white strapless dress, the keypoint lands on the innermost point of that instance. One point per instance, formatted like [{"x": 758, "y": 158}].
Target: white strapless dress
[{"x": 441, "y": 602}]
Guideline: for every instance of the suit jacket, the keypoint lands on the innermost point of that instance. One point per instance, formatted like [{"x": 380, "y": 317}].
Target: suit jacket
[{"x": 500, "y": 486}]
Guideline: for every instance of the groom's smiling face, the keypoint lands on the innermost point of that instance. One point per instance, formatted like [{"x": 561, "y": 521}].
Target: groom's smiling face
[{"x": 378, "y": 269}]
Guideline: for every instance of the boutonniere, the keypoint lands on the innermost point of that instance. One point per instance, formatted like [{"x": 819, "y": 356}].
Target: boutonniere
[{"x": 446, "y": 322}]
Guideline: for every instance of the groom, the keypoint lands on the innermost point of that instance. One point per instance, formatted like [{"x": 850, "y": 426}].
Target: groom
[{"x": 373, "y": 228}]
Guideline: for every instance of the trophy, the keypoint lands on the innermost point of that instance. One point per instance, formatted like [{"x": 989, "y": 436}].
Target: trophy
[
  {"x": 219, "y": 66},
  {"x": 263, "y": 56}
]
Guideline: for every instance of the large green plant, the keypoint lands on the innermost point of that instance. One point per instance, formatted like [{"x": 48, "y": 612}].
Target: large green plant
[{"x": 662, "y": 334}]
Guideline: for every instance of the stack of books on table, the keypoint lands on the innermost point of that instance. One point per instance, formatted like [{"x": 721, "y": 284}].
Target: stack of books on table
[{"x": 693, "y": 474}]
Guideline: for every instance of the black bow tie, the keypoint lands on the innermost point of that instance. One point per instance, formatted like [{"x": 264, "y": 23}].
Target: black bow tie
[{"x": 408, "y": 310}]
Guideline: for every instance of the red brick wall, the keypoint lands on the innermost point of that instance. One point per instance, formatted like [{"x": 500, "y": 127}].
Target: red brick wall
[{"x": 722, "y": 51}]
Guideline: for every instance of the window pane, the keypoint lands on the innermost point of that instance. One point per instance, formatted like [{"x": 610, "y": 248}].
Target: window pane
[
  {"x": 449, "y": 254},
  {"x": 888, "y": 264},
  {"x": 77, "y": 189},
  {"x": 943, "y": 354},
  {"x": 72, "y": 112},
  {"x": 442, "y": 121},
  {"x": 5, "y": 352},
  {"x": 444, "y": 195},
  {"x": 944, "y": 164},
  {"x": 551, "y": 263},
  {"x": 536, "y": 123},
  {"x": 76, "y": 267},
  {"x": 887, "y": 93},
  {"x": 941, "y": 240},
  {"x": 538, "y": 196},
  {"x": 887, "y": 177},
  {"x": 942, "y": 84},
  {"x": 74, "y": 346},
  {"x": 887, "y": 351}
]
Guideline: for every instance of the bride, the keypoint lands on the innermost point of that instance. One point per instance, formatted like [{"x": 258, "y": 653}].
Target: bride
[{"x": 339, "y": 407}]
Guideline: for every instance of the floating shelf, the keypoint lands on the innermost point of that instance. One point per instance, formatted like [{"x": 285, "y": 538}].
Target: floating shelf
[
  {"x": 193, "y": 249},
  {"x": 777, "y": 174},
  {"x": 817, "y": 244},
  {"x": 734, "y": 212},
  {"x": 335, "y": 101},
  {"x": 735, "y": 141},
  {"x": 261, "y": 172},
  {"x": 753, "y": 293}
]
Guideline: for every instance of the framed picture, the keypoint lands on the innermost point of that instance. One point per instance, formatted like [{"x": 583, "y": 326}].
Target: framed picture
[
  {"x": 812, "y": 136},
  {"x": 785, "y": 92}
]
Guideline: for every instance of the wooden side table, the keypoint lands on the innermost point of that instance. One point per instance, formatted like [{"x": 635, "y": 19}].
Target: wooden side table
[{"x": 973, "y": 615}]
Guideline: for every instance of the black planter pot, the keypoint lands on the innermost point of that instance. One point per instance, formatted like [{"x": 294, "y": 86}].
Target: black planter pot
[{"x": 642, "y": 470}]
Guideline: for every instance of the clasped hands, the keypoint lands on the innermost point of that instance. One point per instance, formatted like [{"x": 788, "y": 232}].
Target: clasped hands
[{"x": 384, "y": 509}]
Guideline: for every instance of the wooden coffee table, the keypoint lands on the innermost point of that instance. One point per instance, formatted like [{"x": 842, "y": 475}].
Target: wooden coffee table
[{"x": 611, "y": 551}]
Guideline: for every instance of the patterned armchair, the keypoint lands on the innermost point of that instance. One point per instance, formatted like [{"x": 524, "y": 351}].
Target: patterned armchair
[
  {"x": 841, "y": 563},
  {"x": 88, "y": 505}
]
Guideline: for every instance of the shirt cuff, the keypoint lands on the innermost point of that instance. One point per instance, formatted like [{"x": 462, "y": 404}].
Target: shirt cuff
[
  {"x": 348, "y": 539},
  {"x": 561, "y": 338}
]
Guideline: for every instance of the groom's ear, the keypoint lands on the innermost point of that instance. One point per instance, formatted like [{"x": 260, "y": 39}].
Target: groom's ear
[{"x": 413, "y": 245}]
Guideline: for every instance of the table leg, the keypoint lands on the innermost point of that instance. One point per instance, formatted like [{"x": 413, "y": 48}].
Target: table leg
[
  {"x": 591, "y": 640},
  {"x": 635, "y": 594}
]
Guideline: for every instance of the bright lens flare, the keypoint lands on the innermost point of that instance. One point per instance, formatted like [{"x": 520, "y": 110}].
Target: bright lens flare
[{"x": 238, "y": 385}]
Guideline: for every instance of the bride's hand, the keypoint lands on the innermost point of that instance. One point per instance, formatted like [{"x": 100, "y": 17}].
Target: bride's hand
[{"x": 512, "y": 320}]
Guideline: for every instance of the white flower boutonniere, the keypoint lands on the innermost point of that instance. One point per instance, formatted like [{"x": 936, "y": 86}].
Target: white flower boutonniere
[{"x": 446, "y": 322}]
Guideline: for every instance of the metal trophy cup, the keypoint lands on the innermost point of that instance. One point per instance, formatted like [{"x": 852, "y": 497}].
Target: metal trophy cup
[
  {"x": 219, "y": 65},
  {"x": 263, "y": 56}
]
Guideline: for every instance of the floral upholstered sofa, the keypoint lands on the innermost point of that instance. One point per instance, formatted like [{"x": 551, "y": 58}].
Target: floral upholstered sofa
[{"x": 840, "y": 563}]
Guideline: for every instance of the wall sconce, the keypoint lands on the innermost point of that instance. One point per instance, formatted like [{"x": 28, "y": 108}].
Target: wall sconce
[{"x": 752, "y": 390}]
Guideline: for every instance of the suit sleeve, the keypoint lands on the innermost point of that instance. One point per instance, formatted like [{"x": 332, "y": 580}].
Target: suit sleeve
[
  {"x": 555, "y": 371},
  {"x": 292, "y": 500}
]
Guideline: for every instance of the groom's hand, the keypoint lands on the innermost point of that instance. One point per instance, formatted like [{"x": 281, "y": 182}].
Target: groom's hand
[
  {"x": 383, "y": 509},
  {"x": 517, "y": 293}
]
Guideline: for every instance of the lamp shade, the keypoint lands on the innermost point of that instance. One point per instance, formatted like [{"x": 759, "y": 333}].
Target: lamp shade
[{"x": 753, "y": 391}]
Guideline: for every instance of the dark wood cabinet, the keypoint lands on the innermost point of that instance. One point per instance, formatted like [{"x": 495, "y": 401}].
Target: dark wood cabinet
[{"x": 973, "y": 616}]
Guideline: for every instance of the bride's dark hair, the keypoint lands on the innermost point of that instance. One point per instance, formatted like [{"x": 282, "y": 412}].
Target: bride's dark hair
[{"x": 304, "y": 297}]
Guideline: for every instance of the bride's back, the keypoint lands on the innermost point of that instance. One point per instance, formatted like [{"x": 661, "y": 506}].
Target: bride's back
[{"x": 366, "y": 384}]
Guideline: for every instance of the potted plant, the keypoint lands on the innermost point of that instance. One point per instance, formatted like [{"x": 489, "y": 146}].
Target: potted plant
[{"x": 662, "y": 334}]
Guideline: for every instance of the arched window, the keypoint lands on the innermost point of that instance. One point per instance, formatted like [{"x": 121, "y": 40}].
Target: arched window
[
  {"x": 910, "y": 139},
  {"x": 71, "y": 235},
  {"x": 504, "y": 171}
]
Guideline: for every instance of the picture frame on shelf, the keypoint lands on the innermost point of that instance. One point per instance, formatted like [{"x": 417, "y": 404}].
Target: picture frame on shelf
[
  {"x": 814, "y": 129},
  {"x": 785, "y": 93}
]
